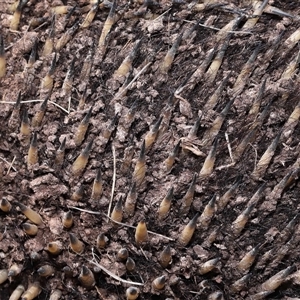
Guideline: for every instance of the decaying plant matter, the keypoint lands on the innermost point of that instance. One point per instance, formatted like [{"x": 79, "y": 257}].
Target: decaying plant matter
[{"x": 149, "y": 150}]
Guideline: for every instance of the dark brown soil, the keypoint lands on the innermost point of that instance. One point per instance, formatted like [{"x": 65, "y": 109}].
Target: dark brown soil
[{"x": 48, "y": 189}]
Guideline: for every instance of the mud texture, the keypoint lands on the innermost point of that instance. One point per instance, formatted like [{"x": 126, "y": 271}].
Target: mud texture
[{"x": 219, "y": 80}]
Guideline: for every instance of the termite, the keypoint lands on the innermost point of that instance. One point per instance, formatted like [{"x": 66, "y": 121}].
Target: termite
[
  {"x": 33, "y": 291},
  {"x": 239, "y": 224},
  {"x": 130, "y": 202},
  {"x": 223, "y": 201},
  {"x": 78, "y": 193},
  {"x": 110, "y": 21},
  {"x": 60, "y": 153},
  {"x": 188, "y": 231},
  {"x": 3, "y": 275},
  {"x": 208, "y": 213},
  {"x": 54, "y": 247},
  {"x": 213, "y": 100},
  {"x": 245, "y": 72},
  {"x": 240, "y": 284},
  {"x": 5, "y": 205},
  {"x": 130, "y": 264},
  {"x": 169, "y": 58},
  {"x": 32, "y": 215},
  {"x": 91, "y": 15},
  {"x": 67, "y": 219},
  {"x": 122, "y": 254},
  {"x": 101, "y": 241},
  {"x": 209, "y": 162},
  {"x": 159, "y": 282},
  {"x": 14, "y": 118},
  {"x": 97, "y": 186},
  {"x": 165, "y": 205},
  {"x": 86, "y": 277},
  {"x": 55, "y": 295},
  {"x": 265, "y": 160},
  {"x": 30, "y": 229},
  {"x": 47, "y": 81},
  {"x": 211, "y": 133},
  {"x": 165, "y": 257},
  {"x": 140, "y": 167},
  {"x": 141, "y": 233},
  {"x": 33, "y": 55},
  {"x": 15, "y": 21},
  {"x": 32, "y": 157},
  {"x": 76, "y": 245},
  {"x": 169, "y": 162},
  {"x": 16, "y": 294},
  {"x": 117, "y": 213},
  {"x": 152, "y": 134},
  {"x": 249, "y": 258},
  {"x": 132, "y": 293},
  {"x": 216, "y": 296},
  {"x": 39, "y": 115},
  {"x": 68, "y": 81},
  {"x": 126, "y": 65},
  {"x": 82, "y": 160},
  {"x": 214, "y": 67},
  {"x": 67, "y": 36},
  {"x": 208, "y": 266},
  {"x": 48, "y": 46},
  {"x": 25, "y": 128},
  {"x": 275, "y": 281},
  {"x": 46, "y": 271},
  {"x": 188, "y": 197},
  {"x": 258, "y": 10}
]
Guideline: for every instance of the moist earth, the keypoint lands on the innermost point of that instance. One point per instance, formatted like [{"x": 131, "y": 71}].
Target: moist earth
[{"x": 262, "y": 100}]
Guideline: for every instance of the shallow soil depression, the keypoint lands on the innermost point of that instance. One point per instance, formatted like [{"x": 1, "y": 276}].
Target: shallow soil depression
[{"x": 149, "y": 150}]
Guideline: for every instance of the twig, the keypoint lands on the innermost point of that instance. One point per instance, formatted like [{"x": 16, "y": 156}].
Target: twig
[
  {"x": 10, "y": 164},
  {"x": 35, "y": 29},
  {"x": 132, "y": 81},
  {"x": 95, "y": 256},
  {"x": 25, "y": 101},
  {"x": 229, "y": 147},
  {"x": 230, "y": 154},
  {"x": 123, "y": 224},
  {"x": 180, "y": 98},
  {"x": 112, "y": 274},
  {"x": 8, "y": 47},
  {"x": 69, "y": 104},
  {"x": 114, "y": 180},
  {"x": 36, "y": 100},
  {"x": 161, "y": 15},
  {"x": 3, "y": 234},
  {"x": 225, "y": 166},
  {"x": 218, "y": 29},
  {"x": 137, "y": 75},
  {"x": 87, "y": 211},
  {"x": 17, "y": 41},
  {"x": 144, "y": 253},
  {"x": 99, "y": 293},
  {"x": 57, "y": 105}
]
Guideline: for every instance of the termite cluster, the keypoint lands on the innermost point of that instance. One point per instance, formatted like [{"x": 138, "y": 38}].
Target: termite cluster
[{"x": 169, "y": 134}]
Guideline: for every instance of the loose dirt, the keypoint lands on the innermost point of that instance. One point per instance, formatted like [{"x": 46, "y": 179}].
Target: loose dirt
[{"x": 252, "y": 72}]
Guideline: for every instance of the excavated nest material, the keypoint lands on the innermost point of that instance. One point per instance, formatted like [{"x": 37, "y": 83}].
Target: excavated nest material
[{"x": 181, "y": 116}]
